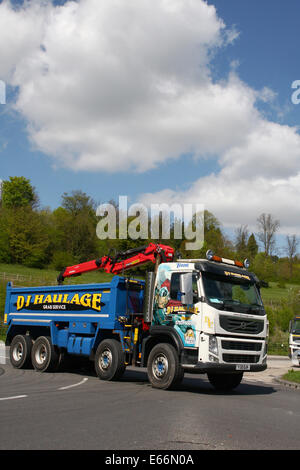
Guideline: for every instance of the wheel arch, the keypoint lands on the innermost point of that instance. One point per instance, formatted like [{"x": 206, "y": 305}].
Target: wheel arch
[
  {"x": 101, "y": 335},
  {"x": 34, "y": 331},
  {"x": 160, "y": 334}
]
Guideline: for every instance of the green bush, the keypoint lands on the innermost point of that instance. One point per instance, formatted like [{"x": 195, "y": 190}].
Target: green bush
[
  {"x": 61, "y": 260},
  {"x": 281, "y": 284},
  {"x": 284, "y": 315},
  {"x": 272, "y": 319}
]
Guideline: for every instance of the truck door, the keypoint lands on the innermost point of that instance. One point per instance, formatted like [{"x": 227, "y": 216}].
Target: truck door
[{"x": 171, "y": 311}]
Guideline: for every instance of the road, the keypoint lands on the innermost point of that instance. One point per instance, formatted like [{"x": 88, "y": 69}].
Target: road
[{"x": 75, "y": 410}]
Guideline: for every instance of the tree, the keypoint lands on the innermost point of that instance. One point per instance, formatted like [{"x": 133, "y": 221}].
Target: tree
[
  {"x": 241, "y": 239},
  {"x": 18, "y": 192},
  {"x": 267, "y": 227},
  {"x": 263, "y": 267},
  {"x": 252, "y": 247},
  {"x": 75, "y": 226},
  {"x": 213, "y": 239},
  {"x": 292, "y": 244},
  {"x": 25, "y": 235},
  {"x": 78, "y": 202}
]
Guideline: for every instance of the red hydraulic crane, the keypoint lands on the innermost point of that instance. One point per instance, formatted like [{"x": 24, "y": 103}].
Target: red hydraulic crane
[{"x": 122, "y": 261}]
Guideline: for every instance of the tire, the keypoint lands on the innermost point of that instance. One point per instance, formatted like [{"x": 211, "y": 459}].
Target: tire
[
  {"x": 20, "y": 351},
  {"x": 179, "y": 378},
  {"x": 225, "y": 382},
  {"x": 109, "y": 360},
  {"x": 164, "y": 369},
  {"x": 44, "y": 356}
]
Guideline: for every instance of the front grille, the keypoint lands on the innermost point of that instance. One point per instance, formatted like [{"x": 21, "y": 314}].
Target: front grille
[
  {"x": 241, "y": 345},
  {"x": 238, "y": 325},
  {"x": 240, "y": 358}
]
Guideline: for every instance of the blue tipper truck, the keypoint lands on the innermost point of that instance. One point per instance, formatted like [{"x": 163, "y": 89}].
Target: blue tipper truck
[
  {"x": 48, "y": 322},
  {"x": 200, "y": 316}
]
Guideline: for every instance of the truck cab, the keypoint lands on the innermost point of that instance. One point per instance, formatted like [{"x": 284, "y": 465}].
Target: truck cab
[
  {"x": 215, "y": 310},
  {"x": 294, "y": 341}
]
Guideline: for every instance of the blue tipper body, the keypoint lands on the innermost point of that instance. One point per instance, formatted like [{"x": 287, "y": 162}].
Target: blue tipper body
[{"x": 75, "y": 315}]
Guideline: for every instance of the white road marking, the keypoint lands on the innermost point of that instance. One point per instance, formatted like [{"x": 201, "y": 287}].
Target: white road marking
[
  {"x": 74, "y": 385},
  {"x": 14, "y": 398}
]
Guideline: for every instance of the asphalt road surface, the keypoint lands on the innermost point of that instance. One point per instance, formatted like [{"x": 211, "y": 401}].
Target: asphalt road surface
[{"x": 75, "y": 410}]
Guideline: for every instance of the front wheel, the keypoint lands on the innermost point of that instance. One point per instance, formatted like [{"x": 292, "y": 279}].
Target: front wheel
[
  {"x": 225, "y": 382},
  {"x": 164, "y": 369}
]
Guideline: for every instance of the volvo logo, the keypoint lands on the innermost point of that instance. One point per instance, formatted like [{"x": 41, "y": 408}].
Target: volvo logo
[{"x": 243, "y": 325}]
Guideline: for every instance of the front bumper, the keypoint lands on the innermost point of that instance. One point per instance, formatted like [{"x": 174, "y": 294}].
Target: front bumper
[
  {"x": 214, "y": 368},
  {"x": 295, "y": 355}
]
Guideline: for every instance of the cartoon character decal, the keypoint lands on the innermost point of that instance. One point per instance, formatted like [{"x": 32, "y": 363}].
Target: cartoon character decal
[{"x": 172, "y": 312}]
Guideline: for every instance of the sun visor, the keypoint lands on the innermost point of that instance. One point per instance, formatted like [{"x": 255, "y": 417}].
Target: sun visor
[{"x": 226, "y": 270}]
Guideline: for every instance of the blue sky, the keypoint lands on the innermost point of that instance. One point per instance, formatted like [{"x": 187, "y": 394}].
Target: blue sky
[
  {"x": 267, "y": 48},
  {"x": 264, "y": 55}
]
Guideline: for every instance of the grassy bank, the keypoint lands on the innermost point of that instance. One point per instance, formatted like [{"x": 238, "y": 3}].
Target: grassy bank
[
  {"x": 275, "y": 293},
  {"x": 34, "y": 276},
  {"x": 292, "y": 376}
]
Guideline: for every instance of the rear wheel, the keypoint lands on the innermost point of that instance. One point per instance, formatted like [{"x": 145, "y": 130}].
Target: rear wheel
[
  {"x": 164, "y": 369},
  {"x": 44, "y": 355},
  {"x": 20, "y": 351},
  {"x": 225, "y": 382},
  {"x": 109, "y": 360}
]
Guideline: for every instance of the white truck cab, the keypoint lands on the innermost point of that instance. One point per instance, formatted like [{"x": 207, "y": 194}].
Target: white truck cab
[
  {"x": 215, "y": 307},
  {"x": 294, "y": 341}
]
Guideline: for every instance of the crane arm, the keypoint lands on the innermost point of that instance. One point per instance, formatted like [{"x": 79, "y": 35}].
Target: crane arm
[{"x": 122, "y": 261}]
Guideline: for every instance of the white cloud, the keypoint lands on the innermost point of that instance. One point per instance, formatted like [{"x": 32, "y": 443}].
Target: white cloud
[
  {"x": 260, "y": 172},
  {"x": 21, "y": 30},
  {"x": 241, "y": 201},
  {"x": 118, "y": 86},
  {"x": 101, "y": 83}
]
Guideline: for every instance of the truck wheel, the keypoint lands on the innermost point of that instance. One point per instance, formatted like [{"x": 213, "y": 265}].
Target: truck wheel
[
  {"x": 20, "y": 351},
  {"x": 164, "y": 369},
  {"x": 225, "y": 382},
  {"x": 44, "y": 355},
  {"x": 109, "y": 360}
]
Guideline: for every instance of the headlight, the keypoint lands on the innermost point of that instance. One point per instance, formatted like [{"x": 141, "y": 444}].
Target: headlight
[{"x": 213, "y": 345}]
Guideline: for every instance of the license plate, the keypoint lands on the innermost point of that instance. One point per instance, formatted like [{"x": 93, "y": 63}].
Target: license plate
[{"x": 242, "y": 367}]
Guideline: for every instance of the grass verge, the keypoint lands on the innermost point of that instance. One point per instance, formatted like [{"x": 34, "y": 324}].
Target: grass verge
[
  {"x": 292, "y": 376},
  {"x": 275, "y": 294}
]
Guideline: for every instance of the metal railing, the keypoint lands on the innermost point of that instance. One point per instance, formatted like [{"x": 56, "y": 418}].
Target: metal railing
[
  {"x": 278, "y": 349},
  {"x": 13, "y": 277}
]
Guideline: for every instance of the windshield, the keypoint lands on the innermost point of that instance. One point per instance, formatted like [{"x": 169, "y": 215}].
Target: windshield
[
  {"x": 234, "y": 294},
  {"x": 296, "y": 327}
]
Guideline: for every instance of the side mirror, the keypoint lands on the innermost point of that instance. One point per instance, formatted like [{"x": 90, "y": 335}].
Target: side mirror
[{"x": 186, "y": 288}]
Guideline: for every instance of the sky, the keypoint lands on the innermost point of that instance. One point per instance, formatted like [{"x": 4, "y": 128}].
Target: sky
[{"x": 174, "y": 101}]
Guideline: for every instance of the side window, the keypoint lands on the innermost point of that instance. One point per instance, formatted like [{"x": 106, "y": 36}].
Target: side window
[
  {"x": 175, "y": 286},
  {"x": 195, "y": 287}
]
